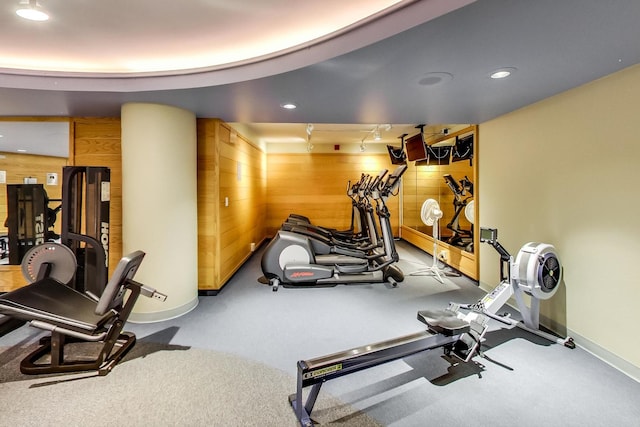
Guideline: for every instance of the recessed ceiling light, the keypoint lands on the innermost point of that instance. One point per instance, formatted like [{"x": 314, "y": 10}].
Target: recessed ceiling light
[
  {"x": 32, "y": 11},
  {"x": 289, "y": 106},
  {"x": 502, "y": 73},
  {"x": 21, "y": 150}
]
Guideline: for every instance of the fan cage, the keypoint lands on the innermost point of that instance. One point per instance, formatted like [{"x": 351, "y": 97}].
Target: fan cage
[{"x": 539, "y": 270}]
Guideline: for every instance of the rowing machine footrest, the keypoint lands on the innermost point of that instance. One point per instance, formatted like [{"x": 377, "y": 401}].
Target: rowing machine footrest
[
  {"x": 469, "y": 343},
  {"x": 352, "y": 269},
  {"x": 445, "y": 322}
]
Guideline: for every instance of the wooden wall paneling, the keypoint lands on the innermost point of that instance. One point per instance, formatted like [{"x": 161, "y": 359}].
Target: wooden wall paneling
[
  {"x": 240, "y": 226},
  {"x": 207, "y": 204},
  {"x": 231, "y": 168},
  {"x": 11, "y": 278},
  {"x": 97, "y": 142},
  {"x": 315, "y": 185}
]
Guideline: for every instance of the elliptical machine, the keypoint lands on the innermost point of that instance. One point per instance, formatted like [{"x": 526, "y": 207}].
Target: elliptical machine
[
  {"x": 368, "y": 237},
  {"x": 355, "y": 232},
  {"x": 300, "y": 260},
  {"x": 460, "y": 237}
]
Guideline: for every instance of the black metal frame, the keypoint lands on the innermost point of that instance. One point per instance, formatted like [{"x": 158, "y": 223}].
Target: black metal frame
[
  {"x": 85, "y": 224},
  {"x": 106, "y": 359},
  {"x": 26, "y": 219},
  {"x": 315, "y": 372},
  {"x": 72, "y": 316}
]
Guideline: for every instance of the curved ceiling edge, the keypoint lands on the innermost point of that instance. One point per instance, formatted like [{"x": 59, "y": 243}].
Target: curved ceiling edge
[{"x": 382, "y": 26}]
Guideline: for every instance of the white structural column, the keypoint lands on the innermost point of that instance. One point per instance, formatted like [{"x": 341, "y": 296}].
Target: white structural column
[{"x": 159, "y": 205}]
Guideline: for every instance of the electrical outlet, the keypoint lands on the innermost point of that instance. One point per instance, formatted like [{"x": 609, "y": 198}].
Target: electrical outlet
[{"x": 443, "y": 255}]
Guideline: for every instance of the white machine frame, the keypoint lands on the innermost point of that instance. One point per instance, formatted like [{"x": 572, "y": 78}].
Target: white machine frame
[
  {"x": 523, "y": 278},
  {"x": 457, "y": 333}
]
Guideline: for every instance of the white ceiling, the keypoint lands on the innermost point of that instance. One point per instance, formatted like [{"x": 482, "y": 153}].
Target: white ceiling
[
  {"x": 150, "y": 37},
  {"x": 422, "y": 61}
]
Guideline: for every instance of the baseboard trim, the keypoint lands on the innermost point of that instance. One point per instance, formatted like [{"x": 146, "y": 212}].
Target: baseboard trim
[
  {"x": 627, "y": 368},
  {"x": 606, "y": 356},
  {"x": 159, "y": 316}
]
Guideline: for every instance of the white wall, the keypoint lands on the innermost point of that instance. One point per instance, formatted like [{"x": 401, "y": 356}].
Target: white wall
[
  {"x": 160, "y": 205},
  {"x": 566, "y": 171}
]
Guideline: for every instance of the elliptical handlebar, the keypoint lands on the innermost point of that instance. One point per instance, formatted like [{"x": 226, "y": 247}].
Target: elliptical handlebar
[
  {"x": 467, "y": 185},
  {"x": 459, "y": 190},
  {"x": 376, "y": 181},
  {"x": 393, "y": 181}
]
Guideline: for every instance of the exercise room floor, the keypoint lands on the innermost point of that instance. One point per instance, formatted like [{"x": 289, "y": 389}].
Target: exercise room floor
[{"x": 523, "y": 380}]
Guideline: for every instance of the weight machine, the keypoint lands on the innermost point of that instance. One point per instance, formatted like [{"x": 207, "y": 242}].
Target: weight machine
[
  {"x": 73, "y": 317},
  {"x": 86, "y": 195},
  {"x": 29, "y": 221},
  {"x": 84, "y": 229},
  {"x": 85, "y": 222}
]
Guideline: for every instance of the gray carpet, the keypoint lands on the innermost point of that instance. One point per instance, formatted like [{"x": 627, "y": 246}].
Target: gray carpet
[
  {"x": 159, "y": 385},
  {"x": 232, "y": 361}
]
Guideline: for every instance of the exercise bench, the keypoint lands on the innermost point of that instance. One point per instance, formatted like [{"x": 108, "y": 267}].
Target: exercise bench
[{"x": 74, "y": 317}]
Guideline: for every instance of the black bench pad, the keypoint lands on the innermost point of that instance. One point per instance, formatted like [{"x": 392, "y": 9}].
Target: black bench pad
[
  {"x": 444, "y": 322},
  {"x": 50, "y": 301}
]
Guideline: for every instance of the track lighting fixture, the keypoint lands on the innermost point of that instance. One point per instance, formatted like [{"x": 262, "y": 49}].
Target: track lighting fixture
[{"x": 376, "y": 134}]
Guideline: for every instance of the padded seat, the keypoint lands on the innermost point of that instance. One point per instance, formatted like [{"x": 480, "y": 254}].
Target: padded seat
[
  {"x": 72, "y": 316},
  {"x": 444, "y": 322},
  {"x": 50, "y": 300}
]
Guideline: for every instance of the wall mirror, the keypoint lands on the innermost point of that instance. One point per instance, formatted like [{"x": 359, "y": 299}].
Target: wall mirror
[
  {"x": 32, "y": 151},
  {"x": 439, "y": 193}
]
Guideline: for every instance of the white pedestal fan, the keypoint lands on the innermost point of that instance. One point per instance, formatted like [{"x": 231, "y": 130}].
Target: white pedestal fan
[{"x": 430, "y": 215}]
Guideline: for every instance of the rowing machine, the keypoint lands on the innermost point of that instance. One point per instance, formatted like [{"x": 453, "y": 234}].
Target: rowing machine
[{"x": 536, "y": 271}]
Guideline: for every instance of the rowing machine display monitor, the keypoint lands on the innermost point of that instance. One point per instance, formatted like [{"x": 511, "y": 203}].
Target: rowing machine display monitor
[{"x": 488, "y": 235}]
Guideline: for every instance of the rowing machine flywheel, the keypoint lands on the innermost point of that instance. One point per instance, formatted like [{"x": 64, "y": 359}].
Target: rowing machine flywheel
[
  {"x": 61, "y": 259},
  {"x": 538, "y": 270}
]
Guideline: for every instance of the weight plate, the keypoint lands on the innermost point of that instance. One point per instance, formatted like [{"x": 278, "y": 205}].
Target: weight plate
[{"x": 61, "y": 258}]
